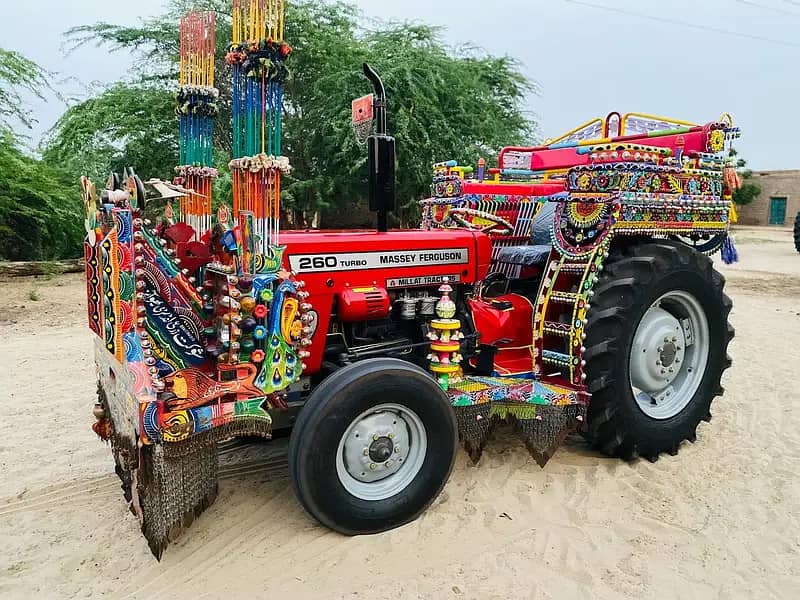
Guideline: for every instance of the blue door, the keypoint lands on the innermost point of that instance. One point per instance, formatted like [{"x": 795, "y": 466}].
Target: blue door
[{"x": 777, "y": 211}]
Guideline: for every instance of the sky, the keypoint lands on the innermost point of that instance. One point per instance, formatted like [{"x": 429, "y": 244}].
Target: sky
[{"x": 687, "y": 59}]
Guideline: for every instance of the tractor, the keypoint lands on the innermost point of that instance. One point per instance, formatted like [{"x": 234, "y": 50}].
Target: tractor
[{"x": 568, "y": 289}]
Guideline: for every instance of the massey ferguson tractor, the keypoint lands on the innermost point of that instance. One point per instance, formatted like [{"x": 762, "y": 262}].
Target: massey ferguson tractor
[{"x": 568, "y": 289}]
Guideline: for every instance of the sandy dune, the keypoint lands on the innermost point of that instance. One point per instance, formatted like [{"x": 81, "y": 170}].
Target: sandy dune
[{"x": 720, "y": 520}]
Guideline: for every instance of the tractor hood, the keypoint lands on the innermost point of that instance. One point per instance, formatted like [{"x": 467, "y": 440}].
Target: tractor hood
[{"x": 392, "y": 259}]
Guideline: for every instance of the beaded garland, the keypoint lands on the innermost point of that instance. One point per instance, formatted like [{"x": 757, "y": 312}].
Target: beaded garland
[
  {"x": 579, "y": 227},
  {"x": 644, "y": 178}
]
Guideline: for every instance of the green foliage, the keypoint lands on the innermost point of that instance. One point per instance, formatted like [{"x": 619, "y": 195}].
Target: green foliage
[
  {"x": 443, "y": 103},
  {"x": 18, "y": 73},
  {"x": 126, "y": 125},
  {"x": 155, "y": 45},
  {"x": 40, "y": 207},
  {"x": 39, "y": 204},
  {"x": 748, "y": 191}
]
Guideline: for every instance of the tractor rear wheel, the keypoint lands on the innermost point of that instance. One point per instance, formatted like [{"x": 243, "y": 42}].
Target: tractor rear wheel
[
  {"x": 372, "y": 447},
  {"x": 656, "y": 347},
  {"x": 797, "y": 232}
]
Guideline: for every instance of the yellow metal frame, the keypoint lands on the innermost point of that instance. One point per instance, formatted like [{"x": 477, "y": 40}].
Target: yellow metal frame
[
  {"x": 622, "y": 124},
  {"x": 678, "y": 122},
  {"x": 549, "y": 141}
]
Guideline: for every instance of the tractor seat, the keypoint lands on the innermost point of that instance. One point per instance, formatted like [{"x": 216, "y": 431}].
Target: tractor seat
[{"x": 538, "y": 248}]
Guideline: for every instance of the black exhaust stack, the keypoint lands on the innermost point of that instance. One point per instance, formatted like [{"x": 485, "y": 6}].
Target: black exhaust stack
[{"x": 381, "y": 149}]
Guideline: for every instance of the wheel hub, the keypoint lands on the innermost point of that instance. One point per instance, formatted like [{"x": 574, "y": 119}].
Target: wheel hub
[
  {"x": 376, "y": 446},
  {"x": 381, "y": 449},
  {"x": 657, "y": 351},
  {"x": 669, "y": 354}
]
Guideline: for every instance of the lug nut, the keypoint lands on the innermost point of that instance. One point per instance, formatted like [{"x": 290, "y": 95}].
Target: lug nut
[{"x": 373, "y": 466}]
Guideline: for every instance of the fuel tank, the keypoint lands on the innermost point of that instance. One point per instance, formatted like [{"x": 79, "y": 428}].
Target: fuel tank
[{"x": 331, "y": 262}]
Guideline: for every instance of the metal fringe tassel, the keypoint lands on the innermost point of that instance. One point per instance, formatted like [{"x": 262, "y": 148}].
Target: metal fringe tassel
[
  {"x": 542, "y": 427},
  {"x": 174, "y": 487}
]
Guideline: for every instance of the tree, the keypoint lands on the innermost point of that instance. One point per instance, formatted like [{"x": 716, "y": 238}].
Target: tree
[
  {"x": 39, "y": 204},
  {"x": 444, "y": 103},
  {"x": 125, "y": 125},
  {"x": 18, "y": 73},
  {"x": 40, "y": 207},
  {"x": 748, "y": 191}
]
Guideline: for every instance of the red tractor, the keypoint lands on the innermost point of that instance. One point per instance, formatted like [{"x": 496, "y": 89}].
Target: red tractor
[
  {"x": 567, "y": 289},
  {"x": 583, "y": 291}
]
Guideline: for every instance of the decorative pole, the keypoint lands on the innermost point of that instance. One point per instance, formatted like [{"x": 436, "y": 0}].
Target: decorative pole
[
  {"x": 257, "y": 58},
  {"x": 196, "y": 109},
  {"x": 446, "y": 339}
]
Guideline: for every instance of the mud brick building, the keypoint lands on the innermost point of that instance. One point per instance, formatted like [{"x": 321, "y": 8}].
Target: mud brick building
[{"x": 778, "y": 202}]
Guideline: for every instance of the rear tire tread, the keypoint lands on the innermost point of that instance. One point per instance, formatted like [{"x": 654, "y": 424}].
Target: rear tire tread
[{"x": 627, "y": 274}]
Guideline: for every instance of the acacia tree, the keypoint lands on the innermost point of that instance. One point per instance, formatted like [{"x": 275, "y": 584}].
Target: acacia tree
[
  {"x": 444, "y": 103},
  {"x": 18, "y": 74},
  {"x": 39, "y": 206},
  {"x": 125, "y": 125}
]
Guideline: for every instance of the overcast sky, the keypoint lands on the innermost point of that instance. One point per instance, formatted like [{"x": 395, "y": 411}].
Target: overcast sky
[{"x": 691, "y": 60}]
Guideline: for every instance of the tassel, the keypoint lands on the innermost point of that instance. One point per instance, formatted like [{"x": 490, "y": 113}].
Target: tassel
[
  {"x": 732, "y": 216},
  {"x": 729, "y": 253}
]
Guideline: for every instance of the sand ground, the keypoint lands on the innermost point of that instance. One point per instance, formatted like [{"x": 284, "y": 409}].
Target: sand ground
[{"x": 720, "y": 520}]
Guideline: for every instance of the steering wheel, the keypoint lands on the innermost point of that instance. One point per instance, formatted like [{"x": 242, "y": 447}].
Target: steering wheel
[
  {"x": 497, "y": 225},
  {"x": 484, "y": 289}
]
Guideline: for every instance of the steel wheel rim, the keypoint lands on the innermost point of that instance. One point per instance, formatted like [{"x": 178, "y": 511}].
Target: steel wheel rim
[
  {"x": 381, "y": 452},
  {"x": 669, "y": 355}
]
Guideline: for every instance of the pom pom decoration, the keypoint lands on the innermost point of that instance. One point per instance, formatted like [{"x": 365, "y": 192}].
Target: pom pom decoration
[{"x": 729, "y": 253}]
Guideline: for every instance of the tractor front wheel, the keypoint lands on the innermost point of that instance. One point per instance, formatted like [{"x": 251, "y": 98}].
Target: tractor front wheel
[
  {"x": 657, "y": 337},
  {"x": 372, "y": 447}
]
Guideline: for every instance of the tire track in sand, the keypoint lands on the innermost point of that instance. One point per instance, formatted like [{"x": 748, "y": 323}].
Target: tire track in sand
[{"x": 54, "y": 495}]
